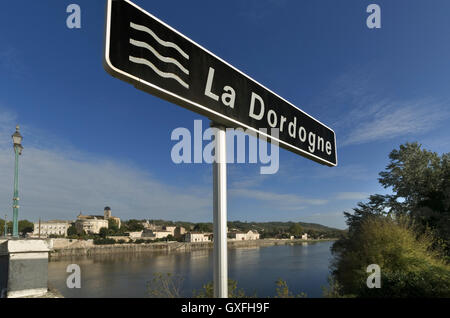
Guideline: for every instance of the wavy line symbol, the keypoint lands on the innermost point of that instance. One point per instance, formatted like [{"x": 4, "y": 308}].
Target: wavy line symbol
[
  {"x": 162, "y": 42},
  {"x": 159, "y": 56},
  {"x": 140, "y": 60},
  {"x": 165, "y": 59}
]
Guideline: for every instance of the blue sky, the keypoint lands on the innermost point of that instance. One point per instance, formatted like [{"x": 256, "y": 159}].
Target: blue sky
[{"x": 91, "y": 140}]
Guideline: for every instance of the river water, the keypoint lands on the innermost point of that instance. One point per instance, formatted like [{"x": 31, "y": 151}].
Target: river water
[{"x": 303, "y": 267}]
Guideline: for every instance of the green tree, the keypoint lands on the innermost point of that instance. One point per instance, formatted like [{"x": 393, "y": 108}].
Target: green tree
[
  {"x": 207, "y": 290},
  {"x": 282, "y": 290},
  {"x": 296, "y": 229},
  {"x": 420, "y": 181},
  {"x": 103, "y": 232},
  {"x": 405, "y": 259},
  {"x": 203, "y": 227},
  {"x": 25, "y": 226},
  {"x": 404, "y": 232},
  {"x": 72, "y": 231},
  {"x": 133, "y": 225},
  {"x": 113, "y": 226}
]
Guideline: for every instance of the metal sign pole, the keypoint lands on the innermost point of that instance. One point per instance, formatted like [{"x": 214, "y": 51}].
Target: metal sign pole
[{"x": 220, "y": 214}]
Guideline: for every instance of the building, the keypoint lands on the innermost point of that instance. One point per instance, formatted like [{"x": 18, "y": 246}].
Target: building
[
  {"x": 108, "y": 216},
  {"x": 170, "y": 229},
  {"x": 155, "y": 234},
  {"x": 244, "y": 236},
  {"x": 93, "y": 223},
  {"x": 53, "y": 227},
  {"x": 179, "y": 232},
  {"x": 135, "y": 235},
  {"x": 197, "y": 237},
  {"x": 305, "y": 236}
]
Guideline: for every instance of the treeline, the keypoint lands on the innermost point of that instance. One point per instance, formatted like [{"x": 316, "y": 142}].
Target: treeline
[
  {"x": 24, "y": 226},
  {"x": 266, "y": 229},
  {"x": 406, "y": 233}
]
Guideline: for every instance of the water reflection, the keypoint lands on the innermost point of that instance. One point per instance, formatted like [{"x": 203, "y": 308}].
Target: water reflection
[{"x": 304, "y": 267}]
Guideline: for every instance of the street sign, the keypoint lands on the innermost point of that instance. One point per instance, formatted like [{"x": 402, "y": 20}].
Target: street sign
[{"x": 151, "y": 55}]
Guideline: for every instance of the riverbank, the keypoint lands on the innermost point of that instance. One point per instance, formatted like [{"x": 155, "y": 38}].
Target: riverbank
[{"x": 167, "y": 247}]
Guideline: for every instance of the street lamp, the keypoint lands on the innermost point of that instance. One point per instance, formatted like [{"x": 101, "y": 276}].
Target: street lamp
[
  {"x": 6, "y": 226},
  {"x": 17, "y": 141}
]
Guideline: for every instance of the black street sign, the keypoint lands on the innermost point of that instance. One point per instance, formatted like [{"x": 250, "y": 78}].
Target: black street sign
[{"x": 146, "y": 52}]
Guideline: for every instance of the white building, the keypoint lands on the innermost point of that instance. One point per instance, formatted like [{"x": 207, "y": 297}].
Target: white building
[
  {"x": 243, "y": 236},
  {"x": 305, "y": 236},
  {"x": 156, "y": 234},
  {"x": 170, "y": 229},
  {"x": 90, "y": 225},
  {"x": 53, "y": 227},
  {"x": 93, "y": 223},
  {"x": 197, "y": 237},
  {"x": 134, "y": 235}
]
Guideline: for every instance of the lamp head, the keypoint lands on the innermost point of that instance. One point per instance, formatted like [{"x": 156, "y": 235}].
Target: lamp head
[{"x": 17, "y": 139}]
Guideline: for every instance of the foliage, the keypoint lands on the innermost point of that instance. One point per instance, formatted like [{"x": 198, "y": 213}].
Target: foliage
[
  {"x": 296, "y": 230},
  {"x": 72, "y": 231},
  {"x": 405, "y": 257},
  {"x": 113, "y": 227},
  {"x": 104, "y": 241},
  {"x": 420, "y": 180},
  {"x": 132, "y": 226},
  {"x": 282, "y": 290},
  {"x": 406, "y": 233},
  {"x": 203, "y": 227},
  {"x": 2, "y": 227},
  {"x": 165, "y": 286},
  {"x": 25, "y": 226},
  {"x": 103, "y": 233},
  {"x": 207, "y": 291}
]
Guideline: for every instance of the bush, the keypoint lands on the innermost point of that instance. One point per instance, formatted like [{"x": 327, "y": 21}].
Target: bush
[
  {"x": 104, "y": 241},
  {"x": 409, "y": 266}
]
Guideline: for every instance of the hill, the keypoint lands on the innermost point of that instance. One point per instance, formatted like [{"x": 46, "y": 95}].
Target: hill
[{"x": 266, "y": 229}]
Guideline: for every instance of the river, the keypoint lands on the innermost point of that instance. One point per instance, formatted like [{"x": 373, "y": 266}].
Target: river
[{"x": 303, "y": 267}]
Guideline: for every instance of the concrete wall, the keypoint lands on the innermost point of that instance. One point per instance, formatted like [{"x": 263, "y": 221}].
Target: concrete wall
[
  {"x": 26, "y": 263},
  {"x": 164, "y": 246}
]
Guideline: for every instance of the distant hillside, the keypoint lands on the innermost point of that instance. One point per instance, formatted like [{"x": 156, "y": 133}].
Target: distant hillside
[{"x": 266, "y": 229}]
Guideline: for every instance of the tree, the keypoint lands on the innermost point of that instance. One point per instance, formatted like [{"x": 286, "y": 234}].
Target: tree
[
  {"x": 403, "y": 233},
  {"x": 72, "y": 231},
  {"x": 113, "y": 226},
  {"x": 103, "y": 232},
  {"x": 25, "y": 226},
  {"x": 405, "y": 259},
  {"x": 203, "y": 227},
  {"x": 420, "y": 180},
  {"x": 296, "y": 230},
  {"x": 133, "y": 225}
]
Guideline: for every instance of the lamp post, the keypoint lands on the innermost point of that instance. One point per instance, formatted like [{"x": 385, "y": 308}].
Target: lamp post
[
  {"x": 6, "y": 226},
  {"x": 17, "y": 144}
]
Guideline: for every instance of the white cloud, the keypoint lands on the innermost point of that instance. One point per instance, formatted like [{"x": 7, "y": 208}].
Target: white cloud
[
  {"x": 54, "y": 186},
  {"x": 279, "y": 201},
  {"x": 59, "y": 182},
  {"x": 390, "y": 120},
  {"x": 351, "y": 195}
]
